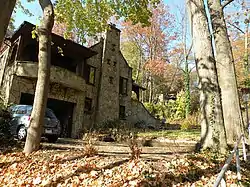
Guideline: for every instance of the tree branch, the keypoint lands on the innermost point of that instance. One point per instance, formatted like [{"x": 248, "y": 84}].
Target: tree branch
[
  {"x": 226, "y": 3},
  {"x": 236, "y": 27}
]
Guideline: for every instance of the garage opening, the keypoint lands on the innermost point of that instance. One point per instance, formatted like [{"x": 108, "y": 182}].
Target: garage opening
[{"x": 62, "y": 109}]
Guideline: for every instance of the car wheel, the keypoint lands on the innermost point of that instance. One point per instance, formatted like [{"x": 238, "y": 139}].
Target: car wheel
[
  {"x": 21, "y": 133},
  {"x": 52, "y": 139}
]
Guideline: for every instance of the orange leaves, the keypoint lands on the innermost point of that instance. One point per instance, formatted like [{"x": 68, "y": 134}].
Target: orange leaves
[
  {"x": 71, "y": 168},
  {"x": 157, "y": 67}
]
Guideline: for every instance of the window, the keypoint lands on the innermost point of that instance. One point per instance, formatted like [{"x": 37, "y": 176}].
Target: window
[
  {"x": 122, "y": 114},
  {"x": 91, "y": 75},
  {"x": 20, "y": 110},
  {"x": 13, "y": 54},
  {"x": 123, "y": 86},
  {"x": 88, "y": 104}
]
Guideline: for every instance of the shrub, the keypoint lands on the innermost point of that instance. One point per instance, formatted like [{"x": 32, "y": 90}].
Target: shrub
[
  {"x": 114, "y": 129},
  {"x": 190, "y": 122},
  {"x": 89, "y": 148},
  {"x": 108, "y": 124},
  {"x": 135, "y": 149},
  {"x": 171, "y": 110},
  {"x": 4, "y": 123}
]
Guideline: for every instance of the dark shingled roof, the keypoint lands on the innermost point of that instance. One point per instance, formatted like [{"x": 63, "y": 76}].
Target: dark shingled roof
[{"x": 68, "y": 46}]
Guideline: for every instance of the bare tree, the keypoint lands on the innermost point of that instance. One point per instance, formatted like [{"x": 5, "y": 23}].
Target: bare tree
[
  {"x": 226, "y": 71},
  {"x": 212, "y": 126},
  {"x": 42, "y": 86}
]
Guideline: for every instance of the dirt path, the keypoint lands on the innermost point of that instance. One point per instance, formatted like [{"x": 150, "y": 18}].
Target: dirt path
[{"x": 158, "y": 150}]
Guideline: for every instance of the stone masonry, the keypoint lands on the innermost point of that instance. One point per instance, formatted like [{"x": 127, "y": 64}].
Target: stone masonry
[{"x": 93, "y": 103}]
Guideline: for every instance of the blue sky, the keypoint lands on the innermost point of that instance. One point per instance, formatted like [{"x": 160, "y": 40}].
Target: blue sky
[{"x": 35, "y": 9}]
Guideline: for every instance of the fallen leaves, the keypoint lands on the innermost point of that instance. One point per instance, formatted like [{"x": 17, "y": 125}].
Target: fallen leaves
[{"x": 73, "y": 168}]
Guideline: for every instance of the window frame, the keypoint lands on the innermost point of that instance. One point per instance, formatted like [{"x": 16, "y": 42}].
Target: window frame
[
  {"x": 89, "y": 109},
  {"x": 122, "y": 115},
  {"x": 89, "y": 67},
  {"x": 123, "y": 90}
]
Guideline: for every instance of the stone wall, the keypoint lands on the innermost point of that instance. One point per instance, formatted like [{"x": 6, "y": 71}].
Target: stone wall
[
  {"x": 139, "y": 113},
  {"x": 108, "y": 104},
  {"x": 125, "y": 72},
  {"x": 92, "y": 90},
  {"x": 16, "y": 85},
  {"x": 109, "y": 65}
]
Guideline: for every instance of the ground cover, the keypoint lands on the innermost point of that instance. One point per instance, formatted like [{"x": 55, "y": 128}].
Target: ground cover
[{"x": 53, "y": 166}]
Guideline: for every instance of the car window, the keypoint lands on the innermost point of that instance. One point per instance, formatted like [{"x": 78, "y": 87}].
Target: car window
[
  {"x": 21, "y": 110},
  {"x": 12, "y": 109},
  {"x": 50, "y": 114}
]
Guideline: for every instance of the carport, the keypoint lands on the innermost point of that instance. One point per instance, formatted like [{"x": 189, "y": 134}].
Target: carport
[{"x": 62, "y": 109}]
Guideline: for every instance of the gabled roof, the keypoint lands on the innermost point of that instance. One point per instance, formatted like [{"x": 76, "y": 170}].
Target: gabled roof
[{"x": 66, "y": 45}]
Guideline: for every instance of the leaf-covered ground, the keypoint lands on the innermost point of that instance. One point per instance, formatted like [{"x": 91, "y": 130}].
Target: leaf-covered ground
[{"x": 72, "y": 168}]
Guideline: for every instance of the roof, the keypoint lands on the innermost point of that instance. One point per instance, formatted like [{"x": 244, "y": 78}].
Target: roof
[
  {"x": 68, "y": 46},
  {"x": 135, "y": 85}
]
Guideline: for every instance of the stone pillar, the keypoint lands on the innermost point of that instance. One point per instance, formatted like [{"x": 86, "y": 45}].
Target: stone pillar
[
  {"x": 109, "y": 87},
  {"x": 78, "y": 116}
]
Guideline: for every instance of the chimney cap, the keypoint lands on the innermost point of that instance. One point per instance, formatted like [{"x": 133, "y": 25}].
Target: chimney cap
[{"x": 113, "y": 26}]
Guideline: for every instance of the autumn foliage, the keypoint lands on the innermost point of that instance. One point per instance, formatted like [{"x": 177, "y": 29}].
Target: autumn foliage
[{"x": 154, "y": 66}]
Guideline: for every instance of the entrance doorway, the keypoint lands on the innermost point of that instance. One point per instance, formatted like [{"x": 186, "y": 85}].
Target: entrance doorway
[{"x": 62, "y": 109}]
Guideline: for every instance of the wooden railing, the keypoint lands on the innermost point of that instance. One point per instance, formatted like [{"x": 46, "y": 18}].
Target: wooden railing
[{"x": 220, "y": 179}]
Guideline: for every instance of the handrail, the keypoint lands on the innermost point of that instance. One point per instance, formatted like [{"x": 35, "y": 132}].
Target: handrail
[{"x": 220, "y": 179}]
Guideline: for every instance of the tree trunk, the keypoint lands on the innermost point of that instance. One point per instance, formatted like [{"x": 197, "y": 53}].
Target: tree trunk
[
  {"x": 187, "y": 90},
  {"x": 6, "y": 9},
  {"x": 42, "y": 86},
  {"x": 139, "y": 68},
  {"x": 212, "y": 126},
  {"x": 186, "y": 68},
  {"x": 226, "y": 73}
]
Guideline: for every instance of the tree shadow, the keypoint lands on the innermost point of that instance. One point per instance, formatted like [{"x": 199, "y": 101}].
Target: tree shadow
[{"x": 87, "y": 169}]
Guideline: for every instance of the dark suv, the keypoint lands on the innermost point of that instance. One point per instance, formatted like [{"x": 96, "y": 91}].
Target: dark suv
[{"x": 20, "y": 121}]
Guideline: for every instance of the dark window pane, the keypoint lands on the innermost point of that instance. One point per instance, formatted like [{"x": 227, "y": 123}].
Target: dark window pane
[
  {"x": 122, "y": 114},
  {"x": 123, "y": 86},
  {"x": 88, "y": 104}
]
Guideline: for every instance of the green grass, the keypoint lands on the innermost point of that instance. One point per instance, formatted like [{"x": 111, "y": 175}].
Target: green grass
[{"x": 193, "y": 134}]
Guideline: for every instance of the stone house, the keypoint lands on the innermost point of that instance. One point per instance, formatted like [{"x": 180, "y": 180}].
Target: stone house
[{"x": 88, "y": 86}]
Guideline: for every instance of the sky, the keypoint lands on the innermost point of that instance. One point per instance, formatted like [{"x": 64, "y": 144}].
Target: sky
[{"x": 35, "y": 9}]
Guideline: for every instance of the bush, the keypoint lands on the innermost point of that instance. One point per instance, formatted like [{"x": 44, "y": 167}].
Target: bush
[
  {"x": 4, "y": 123},
  {"x": 135, "y": 149},
  {"x": 191, "y": 122},
  {"x": 89, "y": 148},
  {"x": 108, "y": 124},
  {"x": 114, "y": 129},
  {"x": 171, "y": 110}
]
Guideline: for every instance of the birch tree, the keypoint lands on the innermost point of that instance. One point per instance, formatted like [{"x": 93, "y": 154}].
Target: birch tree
[{"x": 42, "y": 87}]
